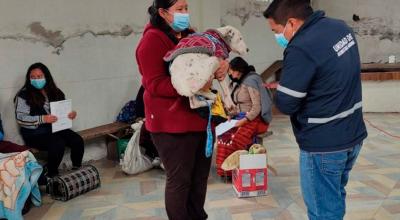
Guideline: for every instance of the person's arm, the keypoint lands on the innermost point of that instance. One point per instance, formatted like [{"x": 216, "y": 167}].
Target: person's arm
[
  {"x": 255, "y": 107},
  {"x": 22, "y": 112},
  {"x": 156, "y": 79},
  {"x": 255, "y": 103},
  {"x": 298, "y": 72}
]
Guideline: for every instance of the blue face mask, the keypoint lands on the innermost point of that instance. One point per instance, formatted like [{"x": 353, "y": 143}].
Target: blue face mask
[
  {"x": 181, "y": 22},
  {"x": 281, "y": 39},
  {"x": 38, "y": 83}
]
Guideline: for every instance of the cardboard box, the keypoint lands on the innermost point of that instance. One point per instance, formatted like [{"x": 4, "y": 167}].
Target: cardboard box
[{"x": 251, "y": 178}]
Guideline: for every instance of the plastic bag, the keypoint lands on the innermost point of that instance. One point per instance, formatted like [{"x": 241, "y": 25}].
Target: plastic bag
[{"x": 134, "y": 161}]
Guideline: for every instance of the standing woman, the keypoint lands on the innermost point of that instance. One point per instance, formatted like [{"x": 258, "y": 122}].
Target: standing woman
[
  {"x": 32, "y": 109},
  {"x": 178, "y": 132}
]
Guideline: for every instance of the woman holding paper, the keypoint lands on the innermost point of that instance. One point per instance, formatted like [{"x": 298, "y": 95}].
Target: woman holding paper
[
  {"x": 253, "y": 111},
  {"x": 32, "y": 110}
]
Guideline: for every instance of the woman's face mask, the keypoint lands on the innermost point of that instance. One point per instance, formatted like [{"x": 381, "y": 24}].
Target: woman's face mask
[
  {"x": 179, "y": 14},
  {"x": 37, "y": 79},
  {"x": 234, "y": 75},
  {"x": 181, "y": 21},
  {"x": 38, "y": 83}
]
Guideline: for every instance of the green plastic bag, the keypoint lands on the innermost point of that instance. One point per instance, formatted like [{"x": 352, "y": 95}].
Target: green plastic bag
[{"x": 122, "y": 143}]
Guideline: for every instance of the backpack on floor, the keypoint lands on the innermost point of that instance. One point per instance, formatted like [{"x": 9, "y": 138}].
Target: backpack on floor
[
  {"x": 128, "y": 113},
  {"x": 75, "y": 183}
]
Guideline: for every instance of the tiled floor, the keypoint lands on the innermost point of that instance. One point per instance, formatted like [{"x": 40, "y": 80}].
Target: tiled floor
[{"x": 373, "y": 190}]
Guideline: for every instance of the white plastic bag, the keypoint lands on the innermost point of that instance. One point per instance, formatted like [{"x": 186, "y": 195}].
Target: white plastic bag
[{"x": 134, "y": 161}]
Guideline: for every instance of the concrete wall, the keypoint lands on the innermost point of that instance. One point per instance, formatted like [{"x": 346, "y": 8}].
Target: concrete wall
[
  {"x": 378, "y": 35},
  {"x": 378, "y": 28},
  {"x": 89, "y": 47},
  {"x": 247, "y": 16}
]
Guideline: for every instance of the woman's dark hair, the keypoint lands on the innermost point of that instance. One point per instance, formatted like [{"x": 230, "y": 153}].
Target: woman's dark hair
[
  {"x": 239, "y": 64},
  {"x": 34, "y": 97},
  {"x": 157, "y": 21},
  {"x": 281, "y": 10}
]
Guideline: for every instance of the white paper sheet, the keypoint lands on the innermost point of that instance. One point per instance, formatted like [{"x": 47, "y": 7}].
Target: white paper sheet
[
  {"x": 224, "y": 127},
  {"x": 61, "y": 109}
]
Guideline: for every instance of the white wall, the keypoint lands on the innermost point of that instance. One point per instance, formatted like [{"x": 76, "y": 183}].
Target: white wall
[
  {"x": 89, "y": 47},
  {"x": 378, "y": 35},
  {"x": 247, "y": 16}
]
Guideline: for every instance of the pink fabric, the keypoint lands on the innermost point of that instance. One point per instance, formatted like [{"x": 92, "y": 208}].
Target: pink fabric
[{"x": 200, "y": 40}]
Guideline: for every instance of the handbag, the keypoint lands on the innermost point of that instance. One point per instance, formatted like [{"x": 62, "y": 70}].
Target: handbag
[{"x": 74, "y": 183}]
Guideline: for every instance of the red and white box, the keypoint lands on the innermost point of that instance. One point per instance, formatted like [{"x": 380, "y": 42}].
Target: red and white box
[{"x": 251, "y": 178}]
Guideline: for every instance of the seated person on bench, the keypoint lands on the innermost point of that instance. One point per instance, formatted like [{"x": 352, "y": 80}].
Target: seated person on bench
[
  {"x": 253, "y": 110},
  {"x": 32, "y": 106},
  {"x": 9, "y": 147}
]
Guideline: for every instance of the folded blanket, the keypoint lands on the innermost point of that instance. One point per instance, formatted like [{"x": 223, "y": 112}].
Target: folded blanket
[{"x": 19, "y": 173}]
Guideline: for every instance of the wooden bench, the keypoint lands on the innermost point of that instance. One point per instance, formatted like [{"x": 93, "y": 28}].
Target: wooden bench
[
  {"x": 111, "y": 132},
  {"x": 380, "y": 72}
]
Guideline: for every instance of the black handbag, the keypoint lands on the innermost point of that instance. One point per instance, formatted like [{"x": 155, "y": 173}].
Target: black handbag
[{"x": 75, "y": 183}]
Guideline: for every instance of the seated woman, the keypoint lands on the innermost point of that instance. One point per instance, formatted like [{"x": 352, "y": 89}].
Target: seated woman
[
  {"x": 252, "y": 108},
  {"x": 32, "y": 108},
  {"x": 9, "y": 147}
]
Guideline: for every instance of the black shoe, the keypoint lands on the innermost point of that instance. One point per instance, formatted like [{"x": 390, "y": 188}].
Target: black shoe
[{"x": 76, "y": 167}]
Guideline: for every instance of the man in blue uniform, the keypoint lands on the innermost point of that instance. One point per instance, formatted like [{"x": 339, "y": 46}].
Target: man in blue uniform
[{"x": 320, "y": 89}]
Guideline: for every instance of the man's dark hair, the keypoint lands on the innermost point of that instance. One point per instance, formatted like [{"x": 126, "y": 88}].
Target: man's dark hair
[{"x": 281, "y": 10}]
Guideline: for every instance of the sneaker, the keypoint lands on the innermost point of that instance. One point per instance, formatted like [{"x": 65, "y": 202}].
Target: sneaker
[
  {"x": 76, "y": 167},
  {"x": 156, "y": 162}
]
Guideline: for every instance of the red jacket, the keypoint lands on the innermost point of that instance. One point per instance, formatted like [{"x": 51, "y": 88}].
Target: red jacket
[{"x": 162, "y": 110}]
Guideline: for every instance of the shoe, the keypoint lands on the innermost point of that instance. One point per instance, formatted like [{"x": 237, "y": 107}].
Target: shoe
[
  {"x": 76, "y": 167},
  {"x": 156, "y": 162},
  {"x": 162, "y": 166},
  {"x": 27, "y": 206}
]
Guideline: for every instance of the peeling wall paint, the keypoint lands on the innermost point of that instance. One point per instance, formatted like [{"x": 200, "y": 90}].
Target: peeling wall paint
[
  {"x": 382, "y": 28},
  {"x": 377, "y": 28},
  {"x": 244, "y": 10},
  {"x": 89, "y": 47},
  {"x": 56, "y": 39},
  {"x": 247, "y": 16}
]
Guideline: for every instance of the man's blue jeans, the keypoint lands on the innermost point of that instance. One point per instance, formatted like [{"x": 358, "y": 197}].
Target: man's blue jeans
[{"x": 323, "y": 177}]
